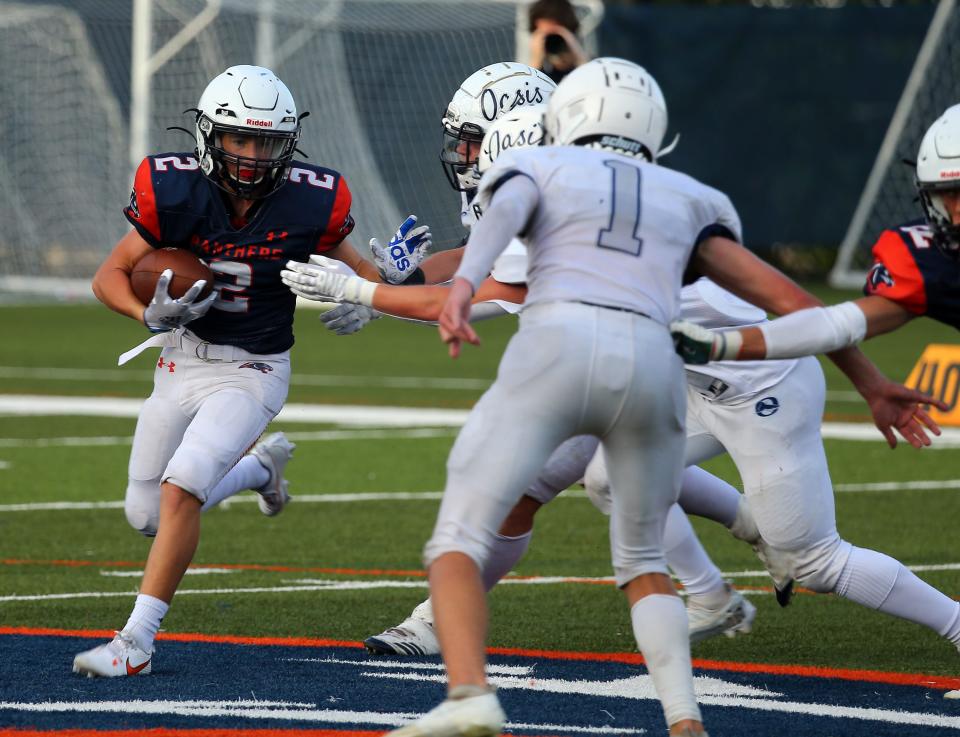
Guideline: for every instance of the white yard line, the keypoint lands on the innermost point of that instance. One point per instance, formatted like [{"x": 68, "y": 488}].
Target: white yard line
[
  {"x": 356, "y": 415},
  {"x": 404, "y": 496},
  {"x": 290, "y": 585},
  {"x": 380, "y": 417},
  {"x": 319, "y": 435}
]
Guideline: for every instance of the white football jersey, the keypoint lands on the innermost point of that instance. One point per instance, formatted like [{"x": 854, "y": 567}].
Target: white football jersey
[
  {"x": 511, "y": 266},
  {"x": 609, "y": 230},
  {"x": 711, "y": 306}
]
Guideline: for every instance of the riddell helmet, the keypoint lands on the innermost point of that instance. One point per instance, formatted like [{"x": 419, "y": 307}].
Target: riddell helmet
[
  {"x": 519, "y": 129},
  {"x": 611, "y": 104},
  {"x": 938, "y": 169},
  {"x": 247, "y": 101},
  {"x": 482, "y": 98}
]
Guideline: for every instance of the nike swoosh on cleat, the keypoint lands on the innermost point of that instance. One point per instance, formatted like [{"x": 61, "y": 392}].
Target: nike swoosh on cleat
[{"x": 133, "y": 670}]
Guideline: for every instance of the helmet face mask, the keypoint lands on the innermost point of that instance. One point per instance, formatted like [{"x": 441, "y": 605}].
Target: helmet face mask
[
  {"x": 483, "y": 97},
  {"x": 946, "y": 233},
  {"x": 459, "y": 154},
  {"x": 247, "y": 130},
  {"x": 938, "y": 173}
]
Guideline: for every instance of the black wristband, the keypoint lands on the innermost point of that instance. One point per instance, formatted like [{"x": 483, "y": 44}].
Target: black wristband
[{"x": 416, "y": 277}]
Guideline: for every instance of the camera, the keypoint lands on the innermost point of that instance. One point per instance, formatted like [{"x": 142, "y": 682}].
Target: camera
[{"x": 554, "y": 44}]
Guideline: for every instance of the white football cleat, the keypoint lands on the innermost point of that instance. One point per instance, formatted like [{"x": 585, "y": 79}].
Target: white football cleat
[
  {"x": 734, "y": 617},
  {"x": 119, "y": 657},
  {"x": 273, "y": 452},
  {"x": 413, "y": 636},
  {"x": 469, "y": 711}
]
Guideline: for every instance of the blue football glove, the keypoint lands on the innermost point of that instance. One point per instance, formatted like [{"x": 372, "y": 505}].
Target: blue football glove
[{"x": 403, "y": 255}]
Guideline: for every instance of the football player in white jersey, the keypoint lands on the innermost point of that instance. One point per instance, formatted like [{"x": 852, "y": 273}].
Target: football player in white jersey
[
  {"x": 714, "y": 607},
  {"x": 752, "y": 409},
  {"x": 609, "y": 236}
]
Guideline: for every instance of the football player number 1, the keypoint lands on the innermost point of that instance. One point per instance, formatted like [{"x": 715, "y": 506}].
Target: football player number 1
[
  {"x": 232, "y": 278},
  {"x": 621, "y": 233}
]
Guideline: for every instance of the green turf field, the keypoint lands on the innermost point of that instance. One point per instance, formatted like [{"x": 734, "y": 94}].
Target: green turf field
[{"x": 71, "y": 350}]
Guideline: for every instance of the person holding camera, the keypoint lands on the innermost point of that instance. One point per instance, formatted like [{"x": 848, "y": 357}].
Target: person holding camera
[{"x": 554, "y": 46}]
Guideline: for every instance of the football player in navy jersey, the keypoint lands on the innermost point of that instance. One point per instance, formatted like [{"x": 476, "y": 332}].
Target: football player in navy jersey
[
  {"x": 244, "y": 205},
  {"x": 916, "y": 272}
]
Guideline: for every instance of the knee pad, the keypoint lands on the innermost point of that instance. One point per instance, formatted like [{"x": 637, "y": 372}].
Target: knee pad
[
  {"x": 451, "y": 537},
  {"x": 818, "y": 568},
  {"x": 142, "y": 506},
  {"x": 597, "y": 483},
  {"x": 195, "y": 471}
]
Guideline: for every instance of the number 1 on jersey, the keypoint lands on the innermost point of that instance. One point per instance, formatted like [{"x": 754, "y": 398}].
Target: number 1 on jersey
[{"x": 621, "y": 233}]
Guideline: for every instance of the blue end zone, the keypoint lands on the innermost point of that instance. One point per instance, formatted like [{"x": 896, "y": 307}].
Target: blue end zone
[{"x": 225, "y": 686}]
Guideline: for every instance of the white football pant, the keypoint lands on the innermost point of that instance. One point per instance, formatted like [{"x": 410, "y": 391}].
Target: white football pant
[
  {"x": 200, "y": 420},
  {"x": 572, "y": 369}
]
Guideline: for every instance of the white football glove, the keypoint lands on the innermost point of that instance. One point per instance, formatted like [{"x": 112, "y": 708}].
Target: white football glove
[
  {"x": 348, "y": 318},
  {"x": 165, "y": 313},
  {"x": 404, "y": 253},
  {"x": 327, "y": 280},
  {"x": 697, "y": 345}
]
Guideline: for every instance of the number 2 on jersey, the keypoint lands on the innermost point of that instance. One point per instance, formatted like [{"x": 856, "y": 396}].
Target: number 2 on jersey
[
  {"x": 231, "y": 297},
  {"x": 621, "y": 233}
]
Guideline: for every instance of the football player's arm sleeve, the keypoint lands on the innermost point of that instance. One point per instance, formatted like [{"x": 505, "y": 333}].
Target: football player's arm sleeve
[
  {"x": 340, "y": 223},
  {"x": 142, "y": 210},
  {"x": 512, "y": 203},
  {"x": 815, "y": 330},
  {"x": 895, "y": 275}
]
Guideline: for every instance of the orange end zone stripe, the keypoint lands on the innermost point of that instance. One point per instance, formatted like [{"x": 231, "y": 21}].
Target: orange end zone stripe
[{"x": 946, "y": 683}]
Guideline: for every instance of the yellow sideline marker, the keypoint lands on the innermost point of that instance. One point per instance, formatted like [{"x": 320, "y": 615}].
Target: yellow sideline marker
[{"x": 938, "y": 373}]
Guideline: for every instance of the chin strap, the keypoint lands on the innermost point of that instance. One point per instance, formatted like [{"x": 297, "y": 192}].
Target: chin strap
[{"x": 669, "y": 147}]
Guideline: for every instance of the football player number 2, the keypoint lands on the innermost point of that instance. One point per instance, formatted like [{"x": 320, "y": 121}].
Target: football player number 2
[
  {"x": 232, "y": 278},
  {"x": 621, "y": 233}
]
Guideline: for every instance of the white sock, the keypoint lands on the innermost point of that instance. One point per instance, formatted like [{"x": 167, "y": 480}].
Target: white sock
[
  {"x": 660, "y": 627},
  {"x": 880, "y": 582},
  {"x": 687, "y": 558},
  {"x": 705, "y": 495},
  {"x": 144, "y": 623},
  {"x": 504, "y": 556},
  {"x": 249, "y": 473}
]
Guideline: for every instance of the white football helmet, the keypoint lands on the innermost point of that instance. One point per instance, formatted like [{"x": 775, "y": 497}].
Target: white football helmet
[
  {"x": 938, "y": 169},
  {"x": 611, "y": 104},
  {"x": 519, "y": 129},
  {"x": 482, "y": 98},
  {"x": 251, "y": 102}
]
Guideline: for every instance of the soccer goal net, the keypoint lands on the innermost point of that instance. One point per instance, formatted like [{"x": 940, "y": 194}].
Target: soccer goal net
[
  {"x": 96, "y": 83},
  {"x": 889, "y": 196}
]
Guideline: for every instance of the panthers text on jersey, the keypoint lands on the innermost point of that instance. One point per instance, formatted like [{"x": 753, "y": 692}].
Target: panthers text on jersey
[
  {"x": 909, "y": 270},
  {"x": 174, "y": 204}
]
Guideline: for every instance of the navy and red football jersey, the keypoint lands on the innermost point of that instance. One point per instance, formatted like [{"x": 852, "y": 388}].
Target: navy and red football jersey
[
  {"x": 909, "y": 270},
  {"x": 173, "y": 204}
]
